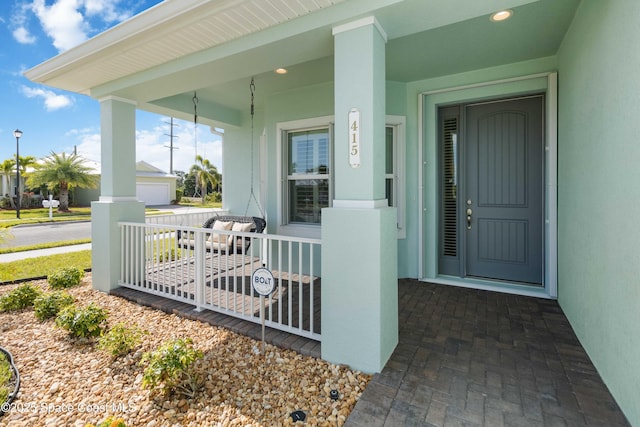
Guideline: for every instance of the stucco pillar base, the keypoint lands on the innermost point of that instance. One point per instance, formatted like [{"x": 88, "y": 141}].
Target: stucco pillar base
[
  {"x": 105, "y": 239},
  {"x": 359, "y": 286}
]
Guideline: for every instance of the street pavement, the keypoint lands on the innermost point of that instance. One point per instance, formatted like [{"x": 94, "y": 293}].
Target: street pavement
[
  {"x": 54, "y": 232},
  {"x": 33, "y": 234}
]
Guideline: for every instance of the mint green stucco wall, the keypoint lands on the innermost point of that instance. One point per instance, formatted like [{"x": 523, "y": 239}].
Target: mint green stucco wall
[
  {"x": 599, "y": 191},
  {"x": 304, "y": 103}
]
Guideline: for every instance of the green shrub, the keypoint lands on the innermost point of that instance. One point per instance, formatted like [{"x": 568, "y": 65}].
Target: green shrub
[
  {"x": 170, "y": 367},
  {"x": 49, "y": 305},
  {"x": 65, "y": 277},
  {"x": 179, "y": 194},
  {"x": 120, "y": 340},
  {"x": 85, "y": 322},
  {"x": 5, "y": 377},
  {"x": 214, "y": 197},
  {"x": 110, "y": 422},
  {"x": 21, "y": 297}
]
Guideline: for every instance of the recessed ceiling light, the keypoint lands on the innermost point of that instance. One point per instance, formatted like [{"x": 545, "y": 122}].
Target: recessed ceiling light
[
  {"x": 281, "y": 71},
  {"x": 502, "y": 15}
]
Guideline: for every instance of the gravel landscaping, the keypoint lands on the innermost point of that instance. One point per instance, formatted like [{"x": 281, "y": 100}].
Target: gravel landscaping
[{"x": 64, "y": 382}]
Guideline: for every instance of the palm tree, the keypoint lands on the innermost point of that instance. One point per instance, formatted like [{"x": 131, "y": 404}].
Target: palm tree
[
  {"x": 205, "y": 173},
  {"x": 25, "y": 163},
  {"x": 63, "y": 172}
]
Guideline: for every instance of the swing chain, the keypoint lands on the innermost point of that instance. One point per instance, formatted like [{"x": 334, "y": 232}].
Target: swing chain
[
  {"x": 252, "y": 195},
  {"x": 196, "y": 191},
  {"x": 195, "y": 107},
  {"x": 252, "y": 89}
]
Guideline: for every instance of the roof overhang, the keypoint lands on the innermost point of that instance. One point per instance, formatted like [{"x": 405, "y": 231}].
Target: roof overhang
[{"x": 161, "y": 56}]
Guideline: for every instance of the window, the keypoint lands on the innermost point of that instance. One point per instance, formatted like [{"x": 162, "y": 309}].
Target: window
[
  {"x": 395, "y": 168},
  {"x": 307, "y": 172},
  {"x": 391, "y": 183},
  {"x": 305, "y": 155}
]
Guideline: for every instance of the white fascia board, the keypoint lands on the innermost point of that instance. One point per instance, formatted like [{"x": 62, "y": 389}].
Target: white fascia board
[{"x": 155, "y": 17}]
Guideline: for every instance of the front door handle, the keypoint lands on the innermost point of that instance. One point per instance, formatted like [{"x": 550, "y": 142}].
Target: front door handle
[{"x": 469, "y": 213}]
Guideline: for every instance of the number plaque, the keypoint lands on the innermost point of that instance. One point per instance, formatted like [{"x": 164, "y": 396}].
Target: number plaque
[{"x": 354, "y": 138}]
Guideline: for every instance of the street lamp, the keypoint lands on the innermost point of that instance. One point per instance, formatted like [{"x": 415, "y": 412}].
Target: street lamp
[{"x": 17, "y": 133}]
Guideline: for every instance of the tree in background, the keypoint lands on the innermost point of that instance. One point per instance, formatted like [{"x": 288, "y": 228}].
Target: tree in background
[
  {"x": 62, "y": 172},
  {"x": 205, "y": 174},
  {"x": 25, "y": 163}
]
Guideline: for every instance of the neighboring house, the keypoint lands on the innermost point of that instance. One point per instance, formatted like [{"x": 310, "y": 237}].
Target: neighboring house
[
  {"x": 9, "y": 184},
  {"x": 417, "y": 138},
  {"x": 154, "y": 186}
]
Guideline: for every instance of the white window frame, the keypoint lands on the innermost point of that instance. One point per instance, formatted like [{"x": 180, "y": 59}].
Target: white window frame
[
  {"x": 282, "y": 129},
  {"x": 399, "y": 172},
  {"x": 399, "y": 124}
]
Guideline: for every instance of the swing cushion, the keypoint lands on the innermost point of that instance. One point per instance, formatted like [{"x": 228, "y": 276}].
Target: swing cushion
[
  {"x": 219, "y": 241},
  {"x": 223, "y": 242},
  {"x": 242, "y": 227}
]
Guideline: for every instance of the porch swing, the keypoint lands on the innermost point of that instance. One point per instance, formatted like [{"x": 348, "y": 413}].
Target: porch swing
[{"x": 221, "y": 242}]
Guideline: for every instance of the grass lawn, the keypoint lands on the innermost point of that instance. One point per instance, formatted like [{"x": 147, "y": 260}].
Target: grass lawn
[
  {"x": 43, "y": 266},
  {"x": 33, "y": 216}
]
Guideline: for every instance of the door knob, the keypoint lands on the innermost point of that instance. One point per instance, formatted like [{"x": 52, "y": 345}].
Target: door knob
[{"x": 469, "y": 212}]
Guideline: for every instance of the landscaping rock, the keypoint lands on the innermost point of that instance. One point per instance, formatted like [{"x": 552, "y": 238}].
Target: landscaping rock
[{"x": 69, "y": 383}]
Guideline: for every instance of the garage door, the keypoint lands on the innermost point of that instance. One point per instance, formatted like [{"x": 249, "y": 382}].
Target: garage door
[{"x": 153, "y": 194}]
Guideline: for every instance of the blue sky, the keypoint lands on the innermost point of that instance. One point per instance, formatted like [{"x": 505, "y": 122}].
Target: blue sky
[{"x": 32, "y": 31}]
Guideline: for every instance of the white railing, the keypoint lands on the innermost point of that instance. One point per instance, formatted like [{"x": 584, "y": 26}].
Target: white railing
[
  {"x": 186, "y": 264},
  {"x": 189, "y": 219}
]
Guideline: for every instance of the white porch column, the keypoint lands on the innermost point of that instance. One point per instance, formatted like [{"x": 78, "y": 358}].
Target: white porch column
[
  {"x": 359, "y": 246},
  {"x": 117, "y": 190}
]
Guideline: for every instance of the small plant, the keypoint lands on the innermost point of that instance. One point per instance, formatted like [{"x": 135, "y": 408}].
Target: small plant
[
  {"x": 5, "y": 377},
  {"x": 49, "y": 305},
  {"x": 120, "y": 340},
  {"x": 20, "y": 298},
  {"x": 85, "y": 322},
  {"x": 65, "y": 277},
  {"x": 170, "y": 367},
  {"x": 110, "y": 422}
]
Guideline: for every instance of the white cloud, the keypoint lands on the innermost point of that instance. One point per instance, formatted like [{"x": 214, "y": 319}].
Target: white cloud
[
  {"x": 62, "y": 22},
  {"x": 88, "y": 143},
  {"x": 69, "y": 22},
  {"x": 106, "y": 10},
  {"x": 22, "y": 35},
  {"x": 52, "y": 101},
  {"x": 151, "y": 145}
]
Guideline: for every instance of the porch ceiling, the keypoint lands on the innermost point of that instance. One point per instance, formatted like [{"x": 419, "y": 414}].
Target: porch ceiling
[{"x": 163, "y": 55}]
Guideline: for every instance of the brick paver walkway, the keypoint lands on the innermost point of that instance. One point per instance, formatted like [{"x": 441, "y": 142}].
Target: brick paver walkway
[
  {"x": 465, "y": 358},
  {"x": 476, "y": 358}
]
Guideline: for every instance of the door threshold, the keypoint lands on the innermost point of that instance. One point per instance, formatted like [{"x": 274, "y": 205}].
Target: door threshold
[{"x": 490, "y": 285}]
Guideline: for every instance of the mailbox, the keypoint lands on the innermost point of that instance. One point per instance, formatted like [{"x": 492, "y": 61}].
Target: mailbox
[{"x": 50, "y": 204}]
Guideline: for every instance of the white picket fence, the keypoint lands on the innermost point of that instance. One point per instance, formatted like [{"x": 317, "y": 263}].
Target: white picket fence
[{"x": 177, "y": 262}]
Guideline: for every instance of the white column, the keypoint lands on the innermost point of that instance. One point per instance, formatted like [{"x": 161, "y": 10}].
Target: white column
[
  {"x": 117, "y": 190},
  {"x": 359, "y": 246}
]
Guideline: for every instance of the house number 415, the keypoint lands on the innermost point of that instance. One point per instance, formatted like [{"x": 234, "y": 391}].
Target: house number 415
[{"x": 354, "y": 138}]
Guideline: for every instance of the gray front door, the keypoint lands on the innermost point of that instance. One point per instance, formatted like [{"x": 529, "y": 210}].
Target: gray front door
[
  {"x": 492, "y": 198},
  {"x": 503, "y": 207}
]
